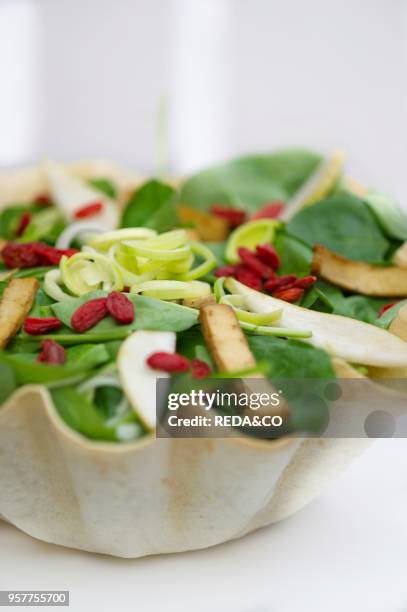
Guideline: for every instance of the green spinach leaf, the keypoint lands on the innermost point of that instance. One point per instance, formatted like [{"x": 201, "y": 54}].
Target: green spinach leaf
[
  {"x": 105, "y": 186},
  {"x": 251, "y": 181},
  {"x": 151, "y": 314},
  {"x": 153, "y": 206},
  {"x": 344, "y": 224},
  {"x": 295, "y": 255}
]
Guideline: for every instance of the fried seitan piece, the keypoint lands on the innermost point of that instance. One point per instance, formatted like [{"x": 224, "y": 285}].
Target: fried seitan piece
[
  {"x": 200, "y": 302},
  {"x": 17, "y": 300},
  {"x": 358, "y": 276},
  {"x": 225, "y": 339},
  {"x": 209, "y": 227}
]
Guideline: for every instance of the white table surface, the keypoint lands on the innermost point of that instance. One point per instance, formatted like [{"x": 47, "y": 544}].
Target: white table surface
[{"x": 346, "y": 551}]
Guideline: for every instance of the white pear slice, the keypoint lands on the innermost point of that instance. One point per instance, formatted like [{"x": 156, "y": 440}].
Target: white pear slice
[
  {"x": 137, "y": 378},
  {"x": 70, "y": 194},
  {"x": 342, "y": 337}
]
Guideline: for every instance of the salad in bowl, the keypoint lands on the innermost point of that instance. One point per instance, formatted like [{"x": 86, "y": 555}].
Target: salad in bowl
[{"x": 272, "y": 267}]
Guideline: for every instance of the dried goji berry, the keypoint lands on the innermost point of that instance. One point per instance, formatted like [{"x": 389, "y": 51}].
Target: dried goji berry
[
  {"x": 52, "y": 353},
  {"x": 25, "y": 220},
  {"x": 50, "y": 256},
  {"x": 168, "y": 362},
  {"x": 305, "y": 282},
  {"x": 120, "y": 308},
  {"x": 233, "y": 216},
  {"x": 269, "y": 255},
  {"x": 200, "y": 369},
  {"x": 226, "y": 271},
  {"x": 32, "y": 254},
  {"x": 251, "y": 260},
  {"x": 17, "y": 255},
  {"x": 42, "y": 199},
  {"x": 89, "y": 210},
  {"x": 90, "y": 313},
  {"x": 386, "y": 307},
  {"x": 288, "y": 295},
  {"x": 271, "y": 210},
  {"x": 37, "y": 326},
  {"x": 246, "y": 276},
  {"x": 278, "y": 282}
]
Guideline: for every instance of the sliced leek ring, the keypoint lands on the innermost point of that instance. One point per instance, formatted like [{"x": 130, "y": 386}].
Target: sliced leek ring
[
  {"x": 254, "y": 318},
  {"x": 139, "y": 249},
  {"x": 52, "y": 286},
  {"x": 203, "y": 268},
  {"x": 107, "y": 239},
  {"x": 85, "y": 271}
]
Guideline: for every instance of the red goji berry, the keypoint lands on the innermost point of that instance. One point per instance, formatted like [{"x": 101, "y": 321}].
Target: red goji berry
[
  {"x": 89, "y": 210},
  {"x": 233, "y": 216},
  {"x": 25, "y": 220},
  {"x": 120, "y": 308},
  {"x": 200, "y": 369},
  {"x": 32, "y": 254},
  {"x": 288, "y": 295},
  {"x": 305, "y": 282},
  {"x": 226, "y": 271},
  {"x": 50, "y": 255},
  {"x": 386, "y": 307},
  {"x": 36, "y": 326},
  {"x": 251, "y": 260},
  {"x": 168, "y": 362},
  {"x": 249, "y": 278},
  {"x": 278, "y": 282},
  {"x": 271, "y": 210},
  {"x": 269, "y": 255},
  {"x": 52, "y": 353},
  {"x": 42, "y": 199},
  {"x": 17, "y": 255},
  {"x": 90, "y": 313}
]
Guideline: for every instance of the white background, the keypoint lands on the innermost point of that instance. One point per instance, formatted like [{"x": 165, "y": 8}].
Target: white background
[{"x": 82, "y": 78}]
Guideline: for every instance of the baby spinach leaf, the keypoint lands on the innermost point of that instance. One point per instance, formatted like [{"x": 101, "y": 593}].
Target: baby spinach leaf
[
  {"x": 291, "y": 358},
  {"x": 9, "y": 219},
  {"x": 8, "y": 381},
  {"x": 389, "y": 214},
  {"x": 45, "y": 225},
  {"x": 310, "y": 367},
  {"x": 87, "y": 356},
  {"x": 107, "y": 399},
  {"x": 79, "y": 360},
  {"x": 295, "y": 255},
  {"x": 80, "y": 414},
  {"x": 153, "y": 206},
  {"x": 344, "y": 224},
  {"x": 105, "y": 186},
  {"x": 151, "y": 314},
  {"x": 360, "y": 307},
  {"x": 27, "y": 370},
  {"x": 251, "y": 181},
  {"x": 325, "y": 297}
]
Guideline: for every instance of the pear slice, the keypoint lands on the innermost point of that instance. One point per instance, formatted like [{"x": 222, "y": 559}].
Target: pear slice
[
  {"x": 343, "y": 337},
  {"x": 319, "y": 185},
  {"x": 137, "y": 378},
  {"x": 70, "y": 194}
]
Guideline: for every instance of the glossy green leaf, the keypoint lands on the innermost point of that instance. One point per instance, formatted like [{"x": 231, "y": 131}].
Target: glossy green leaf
[
  {"x": 152, "y": 206},
  {"x": 344, "y": 224},
  {"x": 251, "y": 181}
]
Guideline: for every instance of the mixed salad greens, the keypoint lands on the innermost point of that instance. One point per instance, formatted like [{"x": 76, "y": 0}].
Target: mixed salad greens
[{"x": 273, "y": 265}]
